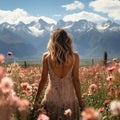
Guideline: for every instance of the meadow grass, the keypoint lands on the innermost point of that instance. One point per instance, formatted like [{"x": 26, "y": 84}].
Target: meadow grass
[{"x": 99, "y": 85}]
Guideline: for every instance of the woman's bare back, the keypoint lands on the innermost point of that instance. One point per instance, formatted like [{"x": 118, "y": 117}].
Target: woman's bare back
[{"x": 61, "y": 70}]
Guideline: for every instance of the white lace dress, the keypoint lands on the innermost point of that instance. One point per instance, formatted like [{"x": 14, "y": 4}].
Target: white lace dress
[{"x": 60, "y": 96}]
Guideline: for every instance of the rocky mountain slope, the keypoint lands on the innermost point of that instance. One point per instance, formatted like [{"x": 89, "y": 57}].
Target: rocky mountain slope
[{"x": 90, "y": 40}]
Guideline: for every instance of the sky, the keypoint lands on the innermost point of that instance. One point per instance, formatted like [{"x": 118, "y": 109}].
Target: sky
[{"x": 14, "y": 11}]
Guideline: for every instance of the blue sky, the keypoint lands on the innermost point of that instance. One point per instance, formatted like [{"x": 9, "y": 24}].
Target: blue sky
[{"x": 14, "y": 11}]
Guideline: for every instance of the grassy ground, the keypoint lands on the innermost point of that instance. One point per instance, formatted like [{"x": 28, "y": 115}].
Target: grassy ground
[{"x": 83, "y": 62}]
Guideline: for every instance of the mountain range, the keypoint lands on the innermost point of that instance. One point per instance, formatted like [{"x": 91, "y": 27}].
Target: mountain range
[{"x": 90, "y": 39}]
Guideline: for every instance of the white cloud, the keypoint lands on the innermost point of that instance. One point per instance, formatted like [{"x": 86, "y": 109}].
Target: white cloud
[
  {"x": 84, "y": 15},
  {"x": 73, "y": 6},
  {"x": 17, "y": 15},
  {"x": 109, "y": 7}
]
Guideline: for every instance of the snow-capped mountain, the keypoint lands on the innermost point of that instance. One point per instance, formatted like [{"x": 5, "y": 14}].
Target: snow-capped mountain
[
  {"x": 89, "y": 39},
  {"x": 108, "y": 26}
]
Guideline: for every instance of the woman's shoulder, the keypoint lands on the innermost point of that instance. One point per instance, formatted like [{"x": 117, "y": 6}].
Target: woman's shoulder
[
  {"x": 76, "y": 56},
  {"x": 45, "y": 56}
]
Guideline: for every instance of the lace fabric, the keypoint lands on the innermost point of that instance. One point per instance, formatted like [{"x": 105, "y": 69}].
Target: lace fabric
[{"x": 60, "y": 96}]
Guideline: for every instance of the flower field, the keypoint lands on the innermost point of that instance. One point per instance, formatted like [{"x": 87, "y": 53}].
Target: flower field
[{"x": 100, "y": 87}]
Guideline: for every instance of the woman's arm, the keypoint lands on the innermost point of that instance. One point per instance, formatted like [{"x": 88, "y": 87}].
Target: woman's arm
[
  {"x": 44, "y": 76},
  {"x": 76, "y": 81}
]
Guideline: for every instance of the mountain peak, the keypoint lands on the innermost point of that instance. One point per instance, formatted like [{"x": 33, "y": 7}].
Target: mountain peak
[
  {"x": 90, "y": 39},
  {"x": 21, "y": 23},
  {"x": 43, "y": 22},
  {"x": 84, "y": 25},
  {"x": 108, "y": 26}
]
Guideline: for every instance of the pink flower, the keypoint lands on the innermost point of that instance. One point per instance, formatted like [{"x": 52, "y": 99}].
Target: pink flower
[
  {"x": 2, "y": 58},
  {"x": 102, "y": 109},
  {"x": 24, "y": 85},
  {"x": 92, "y": 88},
  {"x": 13, "y": 101},
  {"x": 23, "y": 104},
  {"x": 90, "y": 114},
  {"x": 9, "y": 53},
  {"x": 6, "y": 85},
  {"x": 106, "y": 102},
  {"x": 43, "y": 117},
  {"x": 25, "y": 70},
  {"x": 110, "y": 69},
  {"x": 29, "y": 90},
  {"x": 110, "y": 78}
]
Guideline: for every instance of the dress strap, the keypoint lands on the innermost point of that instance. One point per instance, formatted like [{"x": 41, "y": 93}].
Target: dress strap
[
  {"x": 73, "y": 61},
  {"x": 48, "y": 63}
]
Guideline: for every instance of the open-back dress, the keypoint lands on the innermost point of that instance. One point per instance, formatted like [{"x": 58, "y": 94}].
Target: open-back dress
[{"x": 60, "y": 96}]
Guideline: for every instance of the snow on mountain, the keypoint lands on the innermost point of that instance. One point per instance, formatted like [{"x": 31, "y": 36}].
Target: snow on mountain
[
  {"x": 35, "y": 31},
  {"x": 63, "y": 24},
  {"x": 21, "y": 28},
  {"x": 101, "y": 27},
  {"x": 38, "y": 28},
  {"x": 35, "y": 28},
  {"x": 90, "y": 39},
  {"x": 7, "y": 26},
  {"x": 108, "y": 26},
  {"x": 48, "y": 20},
  {"x": 83, "y": 25}
]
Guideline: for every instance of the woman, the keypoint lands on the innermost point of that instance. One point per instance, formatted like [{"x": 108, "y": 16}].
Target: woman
[{"x": 62, "y": 66}]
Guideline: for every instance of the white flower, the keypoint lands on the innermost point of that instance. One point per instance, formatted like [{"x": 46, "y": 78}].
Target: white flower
[
  {"x": 115, "y": 108},
  {"x": 68, "y": 112}
]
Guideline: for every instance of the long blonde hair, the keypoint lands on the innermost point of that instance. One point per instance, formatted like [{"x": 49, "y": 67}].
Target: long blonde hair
[{"x": 60, "y": 46}]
